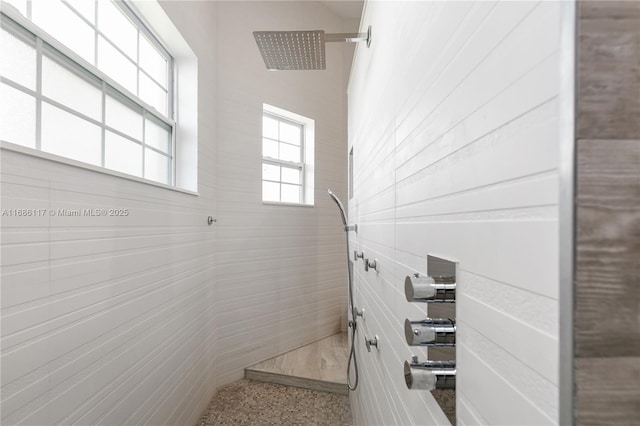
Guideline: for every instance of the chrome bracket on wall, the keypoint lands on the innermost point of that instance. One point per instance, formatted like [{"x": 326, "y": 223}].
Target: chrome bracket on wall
[
  {"x": 371, "y": 342},
  {"x": 371, "y": 264},
  {"x": 353, "y": 228}
]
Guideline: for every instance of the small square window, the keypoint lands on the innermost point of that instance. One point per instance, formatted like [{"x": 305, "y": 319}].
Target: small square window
[{"x": 287, "y": 157}]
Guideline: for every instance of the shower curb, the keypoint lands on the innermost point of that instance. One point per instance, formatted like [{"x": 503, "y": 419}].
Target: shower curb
[{"x": 300, "y": 382}]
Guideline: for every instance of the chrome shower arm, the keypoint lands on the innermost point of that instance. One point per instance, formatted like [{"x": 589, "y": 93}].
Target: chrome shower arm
[
  {"x": 349, "y": 37},
  {"x": 345, "y": 37}
]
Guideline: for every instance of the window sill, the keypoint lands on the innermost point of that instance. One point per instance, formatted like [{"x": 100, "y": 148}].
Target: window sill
[
  {"x": 275, "y": 203},
  {"x": 8, "y": 146}
]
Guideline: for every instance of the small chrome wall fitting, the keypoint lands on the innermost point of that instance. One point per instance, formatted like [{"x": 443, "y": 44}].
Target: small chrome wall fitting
[
  {"x": 430, "y": 332},
  {"x": 371, "y": 342},
  {"x": 358, "y": 255},
  {"x": 210, "y": 220},
  {"x": 371, "y": 264}
]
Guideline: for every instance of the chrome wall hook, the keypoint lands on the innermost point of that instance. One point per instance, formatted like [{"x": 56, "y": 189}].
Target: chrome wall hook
[
  {"x": 371, "y": 264},
  {"x": 358, "y": 255}
]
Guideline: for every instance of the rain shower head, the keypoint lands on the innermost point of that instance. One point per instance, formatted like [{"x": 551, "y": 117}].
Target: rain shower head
[
  {"x": 292, "y": 50},
  {"x": 300, "y": 50}
]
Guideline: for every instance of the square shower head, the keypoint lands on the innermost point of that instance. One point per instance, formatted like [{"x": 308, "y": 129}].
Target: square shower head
[{"x": 292, "y": 50}]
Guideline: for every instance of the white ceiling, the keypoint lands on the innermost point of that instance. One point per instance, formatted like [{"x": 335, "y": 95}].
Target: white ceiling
[{"x": 346, "y": 9}]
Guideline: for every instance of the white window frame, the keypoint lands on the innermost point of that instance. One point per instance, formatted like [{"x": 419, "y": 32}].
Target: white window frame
[
  {"x": 288, "y": 164},
  {"x": 306, "y": 164},
  {"x": 22, "y": 27}
]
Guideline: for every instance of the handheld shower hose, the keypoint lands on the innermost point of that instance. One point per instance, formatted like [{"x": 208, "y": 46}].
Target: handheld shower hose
[{"x": 354, "y": 318}]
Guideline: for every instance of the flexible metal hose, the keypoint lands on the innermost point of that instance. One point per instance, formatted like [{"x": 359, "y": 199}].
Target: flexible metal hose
[{"x": 354, "y": 318}]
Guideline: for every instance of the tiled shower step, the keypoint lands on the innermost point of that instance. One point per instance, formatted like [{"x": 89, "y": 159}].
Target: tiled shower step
[{"x": 321, "y": 365}]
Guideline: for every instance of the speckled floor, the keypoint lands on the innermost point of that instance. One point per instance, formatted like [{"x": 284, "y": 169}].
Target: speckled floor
[{"x": 252, "y": 403}]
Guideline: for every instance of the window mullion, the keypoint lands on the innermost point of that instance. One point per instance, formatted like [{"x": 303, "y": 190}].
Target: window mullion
[
  {"x": 103, "y": 127},
  {"x": 144, "y": 138},
  {"x": 18, "y": 86},
  {"x": 171, "y": 102},
  {"x": 138, "y": 63},
  {"x": 172, "y": 163},
  {"x": 116, "y": 47},
  {"x": 156, "y": 150},
  {"x": 95, "y": 36},
  {"x": 150, "y": 77},
  {"x": 38, "y": 93},
  {"x": 275, "y": 161},
  {"x": 69, "y": 110}
]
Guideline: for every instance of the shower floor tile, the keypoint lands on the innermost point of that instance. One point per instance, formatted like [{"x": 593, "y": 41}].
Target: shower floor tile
[
  {"x": 266, "y": 404},
  {"x": 320, "y": 366}
]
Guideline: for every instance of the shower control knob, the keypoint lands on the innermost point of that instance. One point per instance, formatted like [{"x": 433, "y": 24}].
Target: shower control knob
[
  {"x": 430, "y": 332},
  {"x": 358, "y": 255},
  {"x": 358, "y": 312},
  {"x": 430, "y": 375},
  {"x": 430, "y": 289},
  {"x": 371, "y": 342}
]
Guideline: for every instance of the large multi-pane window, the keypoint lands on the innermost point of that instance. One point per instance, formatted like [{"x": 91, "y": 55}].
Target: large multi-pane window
[
  {"x": 87, "y": 80},
  {"x": 283, "y": 165}
]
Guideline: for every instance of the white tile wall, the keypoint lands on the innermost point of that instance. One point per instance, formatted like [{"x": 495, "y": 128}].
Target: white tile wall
[
  {"x": 453, "y": 118},
  {"x": 112, "y": 320}
]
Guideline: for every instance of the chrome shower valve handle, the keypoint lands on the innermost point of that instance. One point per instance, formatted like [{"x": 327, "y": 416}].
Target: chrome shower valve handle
[
  {"x": 358, "y": 255},
  {"x": 430, "y": 375}
]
